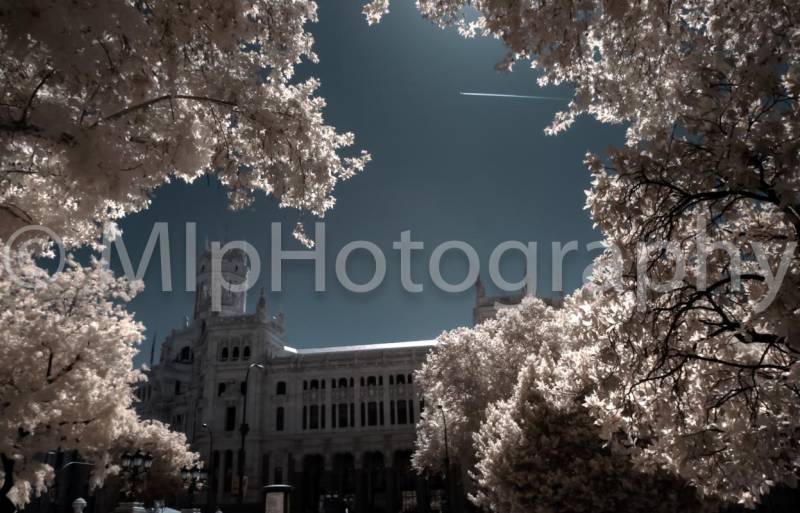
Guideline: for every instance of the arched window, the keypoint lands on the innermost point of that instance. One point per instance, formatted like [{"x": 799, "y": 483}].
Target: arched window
[
  {"x": 391, "y": 380},
  {"x": 351, "y": 383},
  {"x": 380, "y": 380},
  {"x": 186, "y": 354},
  {"x": 314, "y": 384},
  {"x": 342, "y": 382},
  {"x": 224, "y": 354},
  {"x": 371, "y": 381},
  {"x": 280, "y": 388},
  {"x": 220, "y": 389},
  {"x": 246, "y": 353},
  {"x": 411, "y": 378},
  {"x": 279, "y": 419},
  {"x": 235, "y": 353},
  {"x": 313, "y": 421},
  {"x": 305, "y": 385},
  {"x": 401, "y": 379}
]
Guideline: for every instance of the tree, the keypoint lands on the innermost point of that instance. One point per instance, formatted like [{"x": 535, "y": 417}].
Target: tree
[
  {"x": 699, "y": 373},
  {"x": 468, "y": 370},
  {"x": 536, "y": 456},
  {"x": 66, "y": 381},
  {"x": 102, "y": 101}
]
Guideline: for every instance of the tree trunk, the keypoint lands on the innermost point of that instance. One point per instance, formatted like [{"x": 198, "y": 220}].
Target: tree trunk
[{"x": 6, "y": 506}]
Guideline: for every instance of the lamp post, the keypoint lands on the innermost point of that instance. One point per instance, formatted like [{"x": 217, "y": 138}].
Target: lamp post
[
  {"x": 446, "y": 507},
  {"x": 244, "y": 429},
  {"x": 133, "y": 466},
  {"x": 194, "y": 479},
  {"x": 212, "y": 484}
]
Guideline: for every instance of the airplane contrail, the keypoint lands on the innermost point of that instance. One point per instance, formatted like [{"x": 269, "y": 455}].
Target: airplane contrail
[{"x": 499, "y": 95}]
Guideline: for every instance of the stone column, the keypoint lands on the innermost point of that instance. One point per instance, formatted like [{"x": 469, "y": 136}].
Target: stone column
[
  {"x": 296, "y": 476},
  {"x": 361, "y": 491},
  {"x": 327, "y": 475},
  {"x": 391, "y": 482}
]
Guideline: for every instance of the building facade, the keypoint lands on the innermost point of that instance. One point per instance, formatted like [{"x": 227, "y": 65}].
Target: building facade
[{"x": 335, "y": 423}]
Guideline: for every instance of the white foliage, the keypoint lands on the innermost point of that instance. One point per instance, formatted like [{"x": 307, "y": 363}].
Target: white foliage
[
  {"x": 67, "y": 346},
  {"x": 101, "y": 102}
]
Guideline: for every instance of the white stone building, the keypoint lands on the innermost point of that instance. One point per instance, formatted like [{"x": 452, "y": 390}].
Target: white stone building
[{"x": 336, "y": 423}]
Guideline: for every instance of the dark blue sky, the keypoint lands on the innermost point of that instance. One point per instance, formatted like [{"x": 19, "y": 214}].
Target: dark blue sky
[{"x": 445, "y": 166}]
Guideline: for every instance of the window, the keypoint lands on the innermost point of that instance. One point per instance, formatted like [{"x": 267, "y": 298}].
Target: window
[
  {"x": 279, "y": 419},
  {"x": 391, "y": 380},
  {"x": 186, "y": 354},
  {"x": 401, "y": 380},
  {"x": 278, "y": 475},
  {"x": 305, "y": 417},
  {"x": 380, "y": 380},
  {"x": 410, "y": 378},
  {"x": 351, "y": 383},
  {"x": 402, "y": 413},
  {"x": 333, "y": 415},
  {"x": 224, "y": 354},
  {"x": 220, "y": 389},
  {"x": 363, "y": 415},
  {"x": 280, "y": 388},
  {"x": 343, "y": 415},
  {"x": 246, "y": 353},
  {"x": 230, "y": 418},
  {"x": 235, "y": 353},
  {"x": 380, "y": 412},
  {"x": 305, "y": 385},
  {"x": 313, "y": 421},
  {"x": 408, "y": 501},
  {"x": 391, "y": 412},
  {"x": 333, "y": 383},
  {"x": 411, "y": 411},
  {"x": 178, "y": 390},
  {"x": 314, "y": 384},
  {"x": 322, "y": 416},
  {"x": 372, "y": 413},
  {"x": 343, "y": 382},
  {"x": 371, "y": 381}
]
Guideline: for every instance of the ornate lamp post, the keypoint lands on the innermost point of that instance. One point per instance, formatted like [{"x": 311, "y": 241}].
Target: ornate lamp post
[
  {"x": 194, "y": 479},
  {"x": 244, "y": 428},
  {"x": 212, "y": 484},
  {"x": 135, "y": 467},
  {"x": 446, "y": 506}
]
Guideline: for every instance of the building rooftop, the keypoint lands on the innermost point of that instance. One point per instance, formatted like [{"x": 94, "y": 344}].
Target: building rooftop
[{"x": 363, "y": 347}]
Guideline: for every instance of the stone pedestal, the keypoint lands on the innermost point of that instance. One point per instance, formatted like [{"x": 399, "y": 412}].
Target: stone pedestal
[{"x": 130, "y": 507}]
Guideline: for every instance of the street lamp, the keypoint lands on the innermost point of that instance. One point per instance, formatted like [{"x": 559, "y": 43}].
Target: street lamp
[
  {"x": 134, "y": 466},
  {"x": 244, "y": 428},
  {"x": 212, "y": 485},
  {"x": 194, "y": 479},
  {"x": 446, "y": 460}
]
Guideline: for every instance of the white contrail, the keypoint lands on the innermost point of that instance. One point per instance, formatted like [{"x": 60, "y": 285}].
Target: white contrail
[{"x": 498, "y": 95}]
